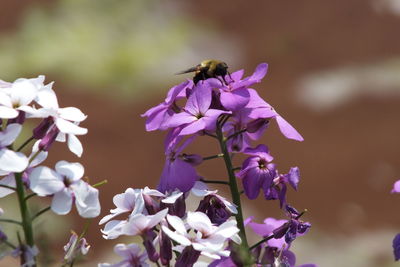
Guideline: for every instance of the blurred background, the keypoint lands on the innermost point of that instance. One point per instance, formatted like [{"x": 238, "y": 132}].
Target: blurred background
[{"x": 334, "y": 73}]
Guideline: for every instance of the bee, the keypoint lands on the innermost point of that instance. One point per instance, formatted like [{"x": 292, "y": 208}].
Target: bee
[{"x": 209, "y": 68}]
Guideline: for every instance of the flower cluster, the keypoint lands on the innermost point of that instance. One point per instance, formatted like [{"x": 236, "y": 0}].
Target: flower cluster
[
  {"x": 231, "y": 112},
  {"x": 162, "y": 220},
  {"x": 20, "y": 167}
]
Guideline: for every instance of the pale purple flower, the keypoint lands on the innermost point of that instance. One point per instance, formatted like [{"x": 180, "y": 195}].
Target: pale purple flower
[
  {"x": 15, "y": 97},
  {"x": 158, "y": 116},
  {"x": 27, "y": 253},
  {"x": 75, "y": 248},
  {"x": 197, "y": 114},
  {"x": 132, "y": 256},
  {"x": 131, "y": 201},
  {"x": 11, "y": 161},
  {"x": 137, "y": 224},
  {"x": 9, "y": 180},
  {"x": 208, "y": 238},
  {"x": 66, "y": 186},
  {"x": 255, "y": 172}
]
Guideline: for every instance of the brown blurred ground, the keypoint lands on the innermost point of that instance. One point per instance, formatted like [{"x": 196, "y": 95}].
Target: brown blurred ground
[{"x": 350, "y": 156}]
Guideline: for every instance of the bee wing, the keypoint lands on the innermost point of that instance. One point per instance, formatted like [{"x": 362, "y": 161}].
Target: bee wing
[{"x": 192, "y": 69}]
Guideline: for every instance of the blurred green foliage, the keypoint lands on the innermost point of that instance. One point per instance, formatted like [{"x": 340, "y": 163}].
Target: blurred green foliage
[{"x": 98, "y": 44}]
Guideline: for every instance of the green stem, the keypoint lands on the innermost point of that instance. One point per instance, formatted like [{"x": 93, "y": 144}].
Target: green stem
[
  {"x": 261, "y": 241},
  {"x": 9, "y": 244},
  {"x": 214, "y": 156},
  {"x": 214, "y": 181},
  {"x": 233, "y": 185},
  {"x": 25, "y": 214},
  {"x": 236, "y": 134},
  {"x": 40, "y": 213},
  {"x": 11, "y": 221},
  {"x": 25, "y": 143},
  {"x": 100, "y": 183},
  {"x": 8, "y": 187},
  {"x": 29, "y": 196}
]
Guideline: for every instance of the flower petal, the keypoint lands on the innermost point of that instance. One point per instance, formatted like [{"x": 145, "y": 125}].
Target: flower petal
[
  {"x": 44, "y": 181},
  {"x": 74, "y": 145},
  {"x": 62, "y": 202},
  {"x": 69, "y": 127},
  {"x": 10, "y": 181},
  {"x": 287, "y": 129},
  {"x": 72, "y": 170},
  {"x": 11, "y": 161},
  {"x": 87, "y": 200},
  {"x": 72, "y": 114}
]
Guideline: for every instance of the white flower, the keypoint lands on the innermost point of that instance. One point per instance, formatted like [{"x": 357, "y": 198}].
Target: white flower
[
  {"x": 209, "y": 239},
  {"x": 130, "y": 201},
  {"x": 11, "y": 161},
  {"x": 131, "y": 256},
  {"x": 75, "y": 247},
  {"x": 136, "y": 225},
  {"x": 9, "y": 180},
  {"x": 17, "y": 96},
  {"x": 67, "y": 187}
]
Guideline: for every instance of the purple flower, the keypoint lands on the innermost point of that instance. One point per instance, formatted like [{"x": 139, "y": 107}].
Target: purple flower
[
  {"x": 75, "y": 248},
  {"x": 278, "y": 188},
  {"x": 396, "y": 187},
  {"x": 131, "y": 255},
  {"x": 158, "y": 116},
  {"x": 293, "y": 227},
  {"x": 263, "y": 110},
  {"x": 235, "y": 95},
  {"x": 255, "y": 173},
  {"x": 197, "y": 114},
  {"x": 178, "y": 172},
  {"x": 396, "y": 247}
]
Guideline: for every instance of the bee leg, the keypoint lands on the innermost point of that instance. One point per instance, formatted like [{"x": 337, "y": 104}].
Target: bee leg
[
  {"x": 230, "y": 77},
  {"x": 223, "y": 82}
]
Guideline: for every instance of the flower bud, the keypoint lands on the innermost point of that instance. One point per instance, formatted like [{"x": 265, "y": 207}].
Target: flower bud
[
  {"x": 40, "y": 131},
  {"x": 48, "y": 139}
]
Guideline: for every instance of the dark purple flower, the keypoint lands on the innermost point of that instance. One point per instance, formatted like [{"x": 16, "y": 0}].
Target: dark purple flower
[
  {"x": 158, "y": 116},
  {"x": 40, "y": 131},
  {"x": 235, "y": 95},
  {"x": 396, "y": 247},
  {"x": 292, "y": 228},
  {"x": 197, "y": 115},
  {"x": 255, "y": 173},
  {"x": 178, "y": 172},
  {"x": 188, "y": 257},
  {"x": 49, "y": 139},
  {"x": 165, "y": 249},
  {"x": 215, "y": 209},
  {"x": 278, "y": 188}
]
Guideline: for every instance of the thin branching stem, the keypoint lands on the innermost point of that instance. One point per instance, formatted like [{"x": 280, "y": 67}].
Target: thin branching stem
[
  {"x": 214, "y": 181},
  {"x": 11, "y": 221},
  {"x": 214, "y": 156},
  {"x": 41, "y": 212},
  {"x": 8, "y": 187},
  {"x": 25, "y": 143}
]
